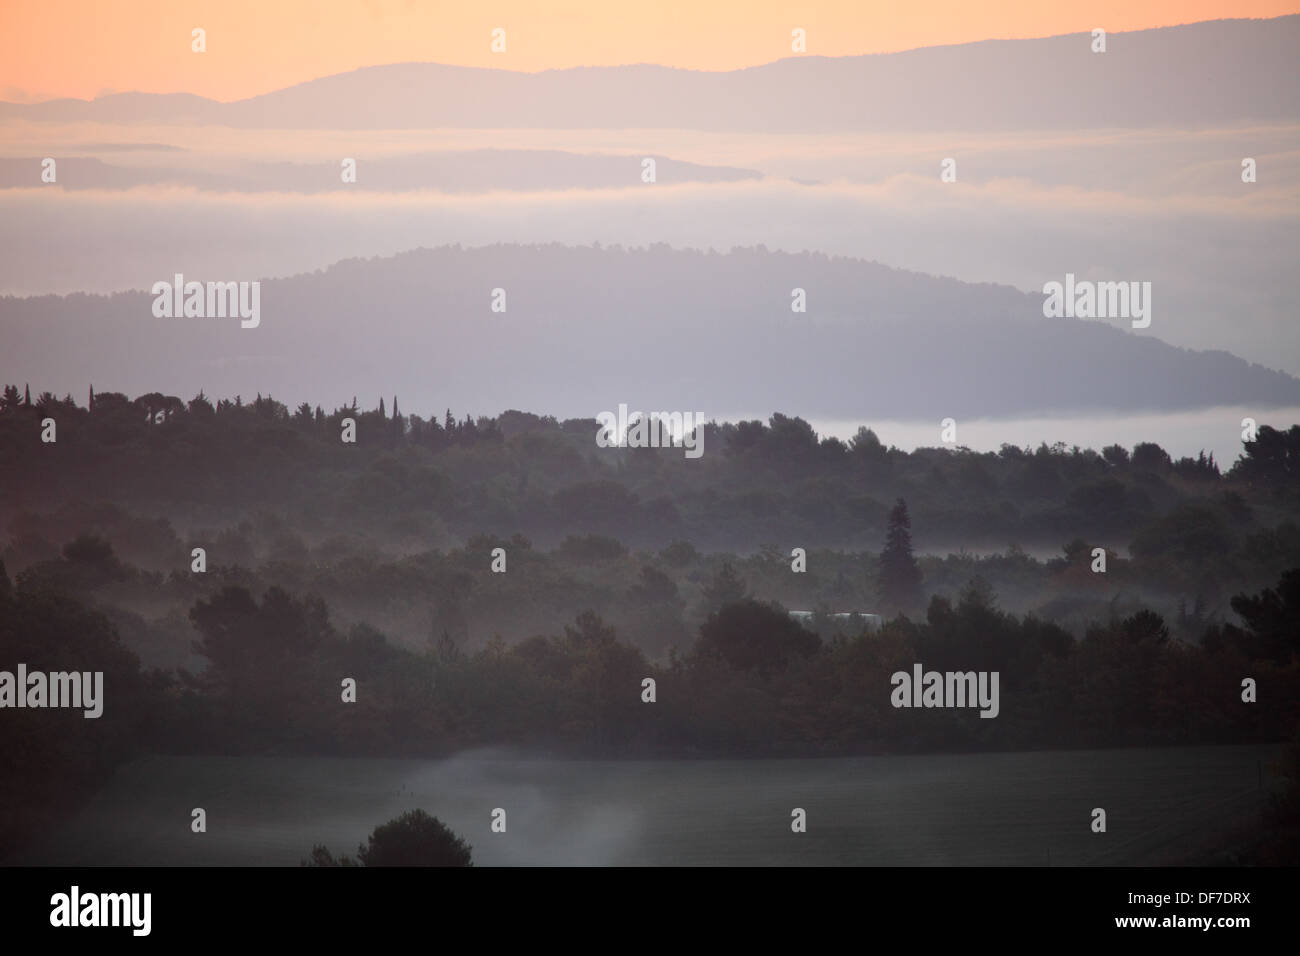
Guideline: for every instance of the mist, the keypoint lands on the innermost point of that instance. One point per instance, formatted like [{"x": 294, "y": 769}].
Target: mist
[{"x": 1206, "y": 258}]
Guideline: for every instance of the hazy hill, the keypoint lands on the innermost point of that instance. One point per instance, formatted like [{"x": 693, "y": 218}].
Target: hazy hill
[
  {"x": 587, "y": 328},
  {"x": 1211, "y": 73},
  {"x": 455, "y": 171}
]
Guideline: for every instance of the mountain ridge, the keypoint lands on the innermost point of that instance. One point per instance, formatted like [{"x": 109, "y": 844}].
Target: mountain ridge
[
  {"x": 587, "y": 327},
  {"x": 1190, "y": 73}
]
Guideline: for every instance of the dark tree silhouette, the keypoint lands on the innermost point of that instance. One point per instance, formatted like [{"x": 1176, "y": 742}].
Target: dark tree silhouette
[
  {"x": 1148, "y": 456},
  {"x": 900, "y": 578},
  {"x": 1273, "y": 455},
  {"x": 1271, "y": 622},
  {"x": 751, "y": 636},
  {"x": 413, "y": 839}
]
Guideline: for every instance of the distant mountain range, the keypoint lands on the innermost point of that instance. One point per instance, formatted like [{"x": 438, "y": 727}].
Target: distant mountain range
[
  {"x": 586, "y": 328},
  {"x": 1213, "y": 73},
  {"x": 452, "y": 171}
]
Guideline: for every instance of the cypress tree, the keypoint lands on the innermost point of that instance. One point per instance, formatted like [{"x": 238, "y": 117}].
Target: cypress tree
[{"x": 900, "y": 578}]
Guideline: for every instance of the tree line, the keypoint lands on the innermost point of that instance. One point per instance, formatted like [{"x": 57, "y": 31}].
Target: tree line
[{"x": 753, "y": 683}]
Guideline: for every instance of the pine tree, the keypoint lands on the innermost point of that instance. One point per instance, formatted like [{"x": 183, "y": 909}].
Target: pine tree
[
  {"x": 382, "y": 413},
  {"x": 900, "y": 578},
  {"x": 27, "y": 396}
]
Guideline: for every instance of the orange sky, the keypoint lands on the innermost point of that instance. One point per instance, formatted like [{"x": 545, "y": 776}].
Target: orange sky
[{"x": 83, "y": 48}]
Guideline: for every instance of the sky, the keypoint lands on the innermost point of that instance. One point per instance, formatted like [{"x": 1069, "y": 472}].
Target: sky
[{"x": 87, "y": 48}]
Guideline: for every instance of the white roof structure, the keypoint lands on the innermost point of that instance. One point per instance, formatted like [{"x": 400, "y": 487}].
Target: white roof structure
[{"x": 874, "y": 621}]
